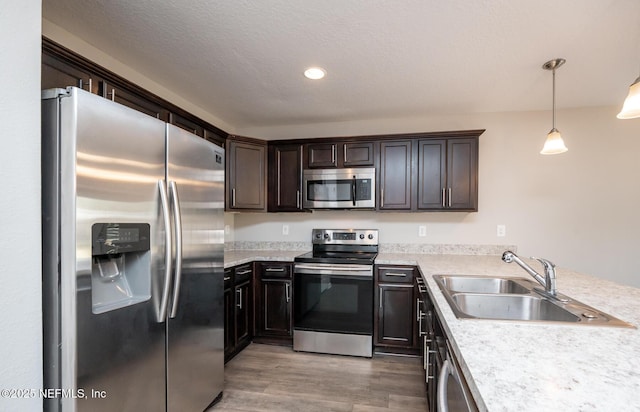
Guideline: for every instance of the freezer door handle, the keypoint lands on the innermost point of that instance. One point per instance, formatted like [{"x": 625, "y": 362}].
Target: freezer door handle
[
  {"x": 164, "y": 300},
  {"x": 177, "y": 221}
]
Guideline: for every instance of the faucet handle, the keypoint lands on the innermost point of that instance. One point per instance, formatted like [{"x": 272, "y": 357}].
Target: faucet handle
[{"x": 545, "y": 262}]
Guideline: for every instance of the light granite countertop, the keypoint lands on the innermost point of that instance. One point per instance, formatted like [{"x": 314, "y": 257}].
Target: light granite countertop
[{"x": 529, "y": 366}]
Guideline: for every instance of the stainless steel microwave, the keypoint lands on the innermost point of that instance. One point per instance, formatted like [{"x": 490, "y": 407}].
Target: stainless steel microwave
[{"x": 339, "y": 188}]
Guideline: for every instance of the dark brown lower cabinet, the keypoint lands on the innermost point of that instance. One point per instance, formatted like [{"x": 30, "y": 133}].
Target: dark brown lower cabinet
[
  {"x": 238, "y": 306},
  {"x": 273, "y": 301},
  {"x": 394, "y": 322}
]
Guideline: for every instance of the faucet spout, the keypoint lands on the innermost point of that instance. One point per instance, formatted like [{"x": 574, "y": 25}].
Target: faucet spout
[{"x": 548, "y": 281}]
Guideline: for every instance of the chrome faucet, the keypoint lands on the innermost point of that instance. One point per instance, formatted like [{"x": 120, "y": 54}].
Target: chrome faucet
[{"x": 549, "y": 280}]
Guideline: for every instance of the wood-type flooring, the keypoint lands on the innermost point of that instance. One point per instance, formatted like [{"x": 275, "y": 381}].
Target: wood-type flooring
[{"x": 269, "y": 378}]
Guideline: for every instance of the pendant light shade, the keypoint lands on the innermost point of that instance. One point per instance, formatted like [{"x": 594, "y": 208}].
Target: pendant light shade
[
  {"x": 554, "y": 143},
  {"x": 631, "y": 106}
]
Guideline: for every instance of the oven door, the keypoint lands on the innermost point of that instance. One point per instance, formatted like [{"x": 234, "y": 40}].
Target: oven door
[{"x": 333, "y": 298}]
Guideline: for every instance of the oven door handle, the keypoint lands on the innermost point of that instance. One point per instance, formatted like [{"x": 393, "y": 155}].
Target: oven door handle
[
  {"x": 349, "y": 270},
  {"x": 353, "y": 190}
]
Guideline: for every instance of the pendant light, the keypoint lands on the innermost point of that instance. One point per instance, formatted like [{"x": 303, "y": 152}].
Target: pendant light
[
  {"x": 554, "y": 143},
  {"x": 631, "y": 106}
]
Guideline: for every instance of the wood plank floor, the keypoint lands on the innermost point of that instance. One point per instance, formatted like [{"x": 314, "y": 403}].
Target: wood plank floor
[{"x": 275, "y": 378}]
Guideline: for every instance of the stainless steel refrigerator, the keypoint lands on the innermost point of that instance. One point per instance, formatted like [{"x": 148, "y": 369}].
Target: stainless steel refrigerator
[{"x": 133, "y": 243}]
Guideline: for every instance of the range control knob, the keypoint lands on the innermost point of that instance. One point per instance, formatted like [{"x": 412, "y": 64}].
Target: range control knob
[
  {"x": 361, "y": 235},
  {"x": 318, "y": 236},
  {"x": 326, "y": 236},
  {"x": 370, "y": 236}
]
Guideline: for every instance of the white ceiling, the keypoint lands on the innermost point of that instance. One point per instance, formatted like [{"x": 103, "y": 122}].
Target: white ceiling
[{"x": 243, "y": 60}]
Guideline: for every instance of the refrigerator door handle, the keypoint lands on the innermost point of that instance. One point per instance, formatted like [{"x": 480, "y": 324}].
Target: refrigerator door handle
[
  {"x": 164, "y": 300},
  {"x": 177, "y": 221}
]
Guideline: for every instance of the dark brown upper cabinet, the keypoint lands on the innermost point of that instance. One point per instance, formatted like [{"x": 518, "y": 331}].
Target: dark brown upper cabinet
[
  {"x": 246, "y": 174},
  {"x": 186, "y": 124},
  {"x": 340, "y": 154},
  {"x": 58, "y": 73},
  {"x": 285, "y": 178},
  {"x": 121, "y": 95},
  {"x": 448, "y": 174},
  {"x": 395, "y": 182}
]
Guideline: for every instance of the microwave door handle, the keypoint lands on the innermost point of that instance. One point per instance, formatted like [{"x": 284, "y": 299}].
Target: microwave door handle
[{"x": 353, "y": 190}]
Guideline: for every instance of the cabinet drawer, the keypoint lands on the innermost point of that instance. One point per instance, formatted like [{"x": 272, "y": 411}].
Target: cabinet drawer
[
  {"x": 243, "y": 273},
  {"x": 228, "y": 278},
  {"x": 275, "y": 270},
  {"x": 392, "y": 274}
]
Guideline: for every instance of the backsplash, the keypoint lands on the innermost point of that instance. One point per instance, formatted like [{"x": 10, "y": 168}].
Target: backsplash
[{"x": 415, "y": 248}]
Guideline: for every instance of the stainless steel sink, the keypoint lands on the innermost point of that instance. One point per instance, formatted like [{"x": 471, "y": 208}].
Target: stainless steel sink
[
  {"x": 516, "y": 299},
  {"x": 511, "y": 307},
  {"x": 475, "y": 284}
]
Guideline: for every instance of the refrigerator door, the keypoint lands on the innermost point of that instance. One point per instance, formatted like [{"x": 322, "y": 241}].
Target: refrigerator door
[
  {"x": 195, "y": 176},
  {"x": 110, "y": 232}
]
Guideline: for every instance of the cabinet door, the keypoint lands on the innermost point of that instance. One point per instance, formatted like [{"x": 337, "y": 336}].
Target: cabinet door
[
  {"x": 358, "y": 154},
  {"x": 246, "y": 166},
  {"x": 243, "y": 310},
  {"x": 57, "y": 73},
  {"x": 285, "y": 178},
  {"x": 215, "y": 137},
  {"x": 395, "y": 175},
  {"x": 119, "y": 95},
  {"x": 186, "y": 124},
  {"x": 322, "y": 155},
  {"x": 462, "y": 174},
  {"x": 396, "y": 315},
  {"x": 276, "y": 307},
  {"x": 432, "y": 173}
]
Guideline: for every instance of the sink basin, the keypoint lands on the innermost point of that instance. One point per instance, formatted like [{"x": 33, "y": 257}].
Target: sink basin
[
  {"x": 517, "y": 299},
  {"x": 476, "y": 284},
  {"x": 511, "y": 307}
]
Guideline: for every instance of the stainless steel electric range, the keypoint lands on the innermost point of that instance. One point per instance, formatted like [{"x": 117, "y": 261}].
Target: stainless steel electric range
[{"x": 333, "y": 293}]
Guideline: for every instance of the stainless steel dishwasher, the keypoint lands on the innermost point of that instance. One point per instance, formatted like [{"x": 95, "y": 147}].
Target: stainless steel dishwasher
[{"x": 453, "y": 392}]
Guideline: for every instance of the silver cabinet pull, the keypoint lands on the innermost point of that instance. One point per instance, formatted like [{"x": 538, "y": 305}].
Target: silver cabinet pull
[
  {"x": 382, "y": 197},
  {"x": 449, "y": 197},
  {"x": 113, "y": 95},
  {"x": 227, "y": 278},
  {"x": 287, "y": 291},
  {"x": 233, "y": 197},
  {"x": 345, "y": 153},
  {"x": 398, "y": 275},
  {"x": 89, "y": 83},
  {"x": 244, "y": 272},
  {"x": 444, "y": 196},
  {"x": 239, "y": 305},
  {"x": 380, "y": 298},
  {"x": 333, "y": 153},
  {"x": 274, "y": 270},
  {"x": 298, "y": 199}
]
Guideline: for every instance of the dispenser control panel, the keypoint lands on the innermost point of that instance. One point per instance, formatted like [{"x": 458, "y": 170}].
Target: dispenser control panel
[{"x": 113, "y": 238}]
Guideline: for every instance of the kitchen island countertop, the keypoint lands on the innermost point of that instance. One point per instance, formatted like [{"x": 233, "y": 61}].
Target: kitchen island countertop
[{"x": 531, "y": 366}]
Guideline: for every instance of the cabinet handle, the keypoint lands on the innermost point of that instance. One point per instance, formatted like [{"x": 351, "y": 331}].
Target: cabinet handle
[
  {"x": 380, "y": 297},
  {"x": 444, "y": 196},
  {"x": 382, "y": 197},
  {"x": 227, "y": 278},
  {"x": 244, "y": 272},
  {"x": 345, "y": 153},
  {"x": 287, "y": 291},
  {"x": 399, "y": 275},
  {"x": 418, "y": 311},
  {"x": 333, "y": 153},
  {"x": 449, "y": 197},
  {"x": 113, "y": 95},
  {"x": 233, "y": 197},
  {"x": 89, "y": 83},
  {"x": 420, "y": 317},
  {"x": 298, "y": 199},
  {"x": 239, "y": 305},
  {"x": 280, "y": 270}
]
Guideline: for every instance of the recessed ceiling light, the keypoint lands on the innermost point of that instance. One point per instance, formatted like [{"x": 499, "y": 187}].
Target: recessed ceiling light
[{"x": 314, "y": 73}]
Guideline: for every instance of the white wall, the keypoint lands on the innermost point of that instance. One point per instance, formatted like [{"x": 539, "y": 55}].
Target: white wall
[
  {"x": 579, "y": 209},
  {"x": 20, "y": 270}
]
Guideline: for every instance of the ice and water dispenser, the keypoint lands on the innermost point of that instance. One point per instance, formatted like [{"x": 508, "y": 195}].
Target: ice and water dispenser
[{"x": 120, "y": 265}]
